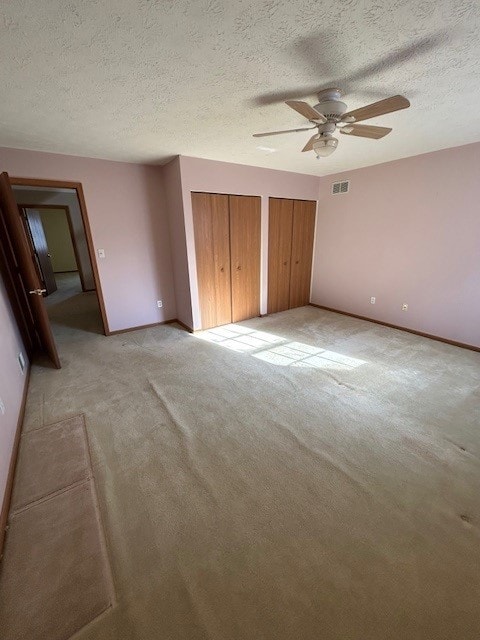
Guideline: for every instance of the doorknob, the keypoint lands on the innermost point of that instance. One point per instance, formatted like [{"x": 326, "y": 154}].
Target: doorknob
[{"x": 38, "y": 292}]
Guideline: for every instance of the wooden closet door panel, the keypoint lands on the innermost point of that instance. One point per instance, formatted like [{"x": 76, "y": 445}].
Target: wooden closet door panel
[
  {"x": 279, "y": 254},
  {"x": 245, "y": 229},
  {"x": 221, "y": 258},
  {"x": 212, "y": 250},
  {"x": 302, "y": 252}
]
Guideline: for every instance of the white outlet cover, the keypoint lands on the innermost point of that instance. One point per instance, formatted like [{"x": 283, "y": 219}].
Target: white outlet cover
[
  {"x": 404, "y": 306},
  {"x": 373, "y": 300},
  {"x": 159, "y": 304},
  {"x": 101, "y": 253}
]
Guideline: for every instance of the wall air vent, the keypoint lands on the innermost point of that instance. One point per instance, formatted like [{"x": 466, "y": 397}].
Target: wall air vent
[{"x": 340, "y": 187}]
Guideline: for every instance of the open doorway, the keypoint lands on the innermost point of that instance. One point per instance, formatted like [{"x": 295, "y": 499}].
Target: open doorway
[
  {"x": 59, "y": 246},
  {"x": 47, "y": 254},
  {"x": 55, "y": 227}
]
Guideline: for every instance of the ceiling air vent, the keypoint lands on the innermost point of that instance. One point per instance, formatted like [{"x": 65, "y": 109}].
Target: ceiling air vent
[{"x": 340, "y": 187}]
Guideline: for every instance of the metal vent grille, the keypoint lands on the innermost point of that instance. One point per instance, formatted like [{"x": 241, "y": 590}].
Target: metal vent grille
[{"x": 340, "y": 187}]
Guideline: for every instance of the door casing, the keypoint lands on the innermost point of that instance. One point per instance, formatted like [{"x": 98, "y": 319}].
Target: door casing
[{"x": 77, "y": 186}]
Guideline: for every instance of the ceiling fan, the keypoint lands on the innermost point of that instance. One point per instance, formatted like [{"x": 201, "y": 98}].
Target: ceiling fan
[{"x": 331, "y": 114}]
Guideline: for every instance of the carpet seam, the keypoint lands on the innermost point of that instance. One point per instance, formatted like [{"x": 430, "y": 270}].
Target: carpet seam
[
  {"x": 92, "y": 621},
  {"x": 50, "y": 496},
  {"x": 103, "y": 534},
  {"x": 51, "y": 424}
]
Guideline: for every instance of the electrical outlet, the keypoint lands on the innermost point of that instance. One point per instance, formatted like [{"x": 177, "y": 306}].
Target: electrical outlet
[
  {"x": 159, "y": 304},
  {"x": 373, "y": 300},
  {"x": 2, "y": 408},
  {"x": 101, "y": 253},
  {"x": 404, "y": 306}
]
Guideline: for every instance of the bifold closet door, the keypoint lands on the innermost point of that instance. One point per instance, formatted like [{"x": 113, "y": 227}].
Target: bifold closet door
[
  {"x": 212, "y": 248},
  {"x": 303, "y": 231},
  {"x": 280, "y": 220},
  {"x": 245, "y": 228}
]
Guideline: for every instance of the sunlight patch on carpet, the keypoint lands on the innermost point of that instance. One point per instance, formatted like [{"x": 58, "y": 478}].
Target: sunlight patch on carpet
[{"x": 277, "y": 350}]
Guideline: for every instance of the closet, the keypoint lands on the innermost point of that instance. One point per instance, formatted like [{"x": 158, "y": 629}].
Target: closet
[
  {"x": 227, "y": 248},
  {"x": 291, "y": 230}
]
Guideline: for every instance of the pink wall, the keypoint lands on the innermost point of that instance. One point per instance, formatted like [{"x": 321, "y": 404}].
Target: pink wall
[
  {"x": 224, "y": 177},
  {"x": 172, "y": 182},
  {"x": 407, "y": 232},
  {"x": 128, "y": 219},
  {"x": 12, "y": 382}
]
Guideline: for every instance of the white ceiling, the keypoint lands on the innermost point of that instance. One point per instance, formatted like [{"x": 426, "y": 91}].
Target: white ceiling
[{"x": 144, "y": 80}]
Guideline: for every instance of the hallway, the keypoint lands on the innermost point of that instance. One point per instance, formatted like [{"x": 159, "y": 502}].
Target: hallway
[{"x": 71, "y": 308}]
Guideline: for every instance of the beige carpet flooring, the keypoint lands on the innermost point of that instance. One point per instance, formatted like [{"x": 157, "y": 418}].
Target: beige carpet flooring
[
  {"x": 55, "y": 574},
  {"x": 50, "y": 459},
  {"x": 300, "y": 476}
]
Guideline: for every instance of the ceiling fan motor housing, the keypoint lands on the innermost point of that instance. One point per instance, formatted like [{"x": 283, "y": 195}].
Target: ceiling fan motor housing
[{"x": 330, "y": 105}]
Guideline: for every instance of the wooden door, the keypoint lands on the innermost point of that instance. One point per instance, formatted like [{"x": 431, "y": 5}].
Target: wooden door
[
  {"x": 245, "y": 229},
  {"x": 212, "y": 249},
  {"x": 279, "y": 253},
  {"x": 41, "y": 255},
  {"x": 302, "y": 252},
  {"x": 27, "y": 271},
  {"x": 16, "y": 291}
]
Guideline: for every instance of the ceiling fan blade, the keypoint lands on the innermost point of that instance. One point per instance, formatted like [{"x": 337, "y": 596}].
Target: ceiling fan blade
[
  {"x": 365, "y": 131},
  {"x": 276, "y": 133},
  {"x": 395, "y": 103},
  {"x": 309, "y": 145},
  {"x": 306, "y": 111}
]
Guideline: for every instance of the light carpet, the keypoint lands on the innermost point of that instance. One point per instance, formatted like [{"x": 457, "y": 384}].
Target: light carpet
[
  {"x": 50, "y": 459},
  {"x": 55, "y": 574},
  {"x": 304, "y": 475}
]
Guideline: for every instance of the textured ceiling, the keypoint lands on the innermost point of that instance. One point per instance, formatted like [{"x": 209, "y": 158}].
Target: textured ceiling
[{"x": 144, "y": 80}]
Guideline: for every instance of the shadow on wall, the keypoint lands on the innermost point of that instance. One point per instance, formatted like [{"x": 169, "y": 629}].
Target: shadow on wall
[{"x": 160, "y": 240}]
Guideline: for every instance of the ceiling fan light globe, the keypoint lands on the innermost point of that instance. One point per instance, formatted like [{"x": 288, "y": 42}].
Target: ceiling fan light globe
[{"x": 325, "y": 147}]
